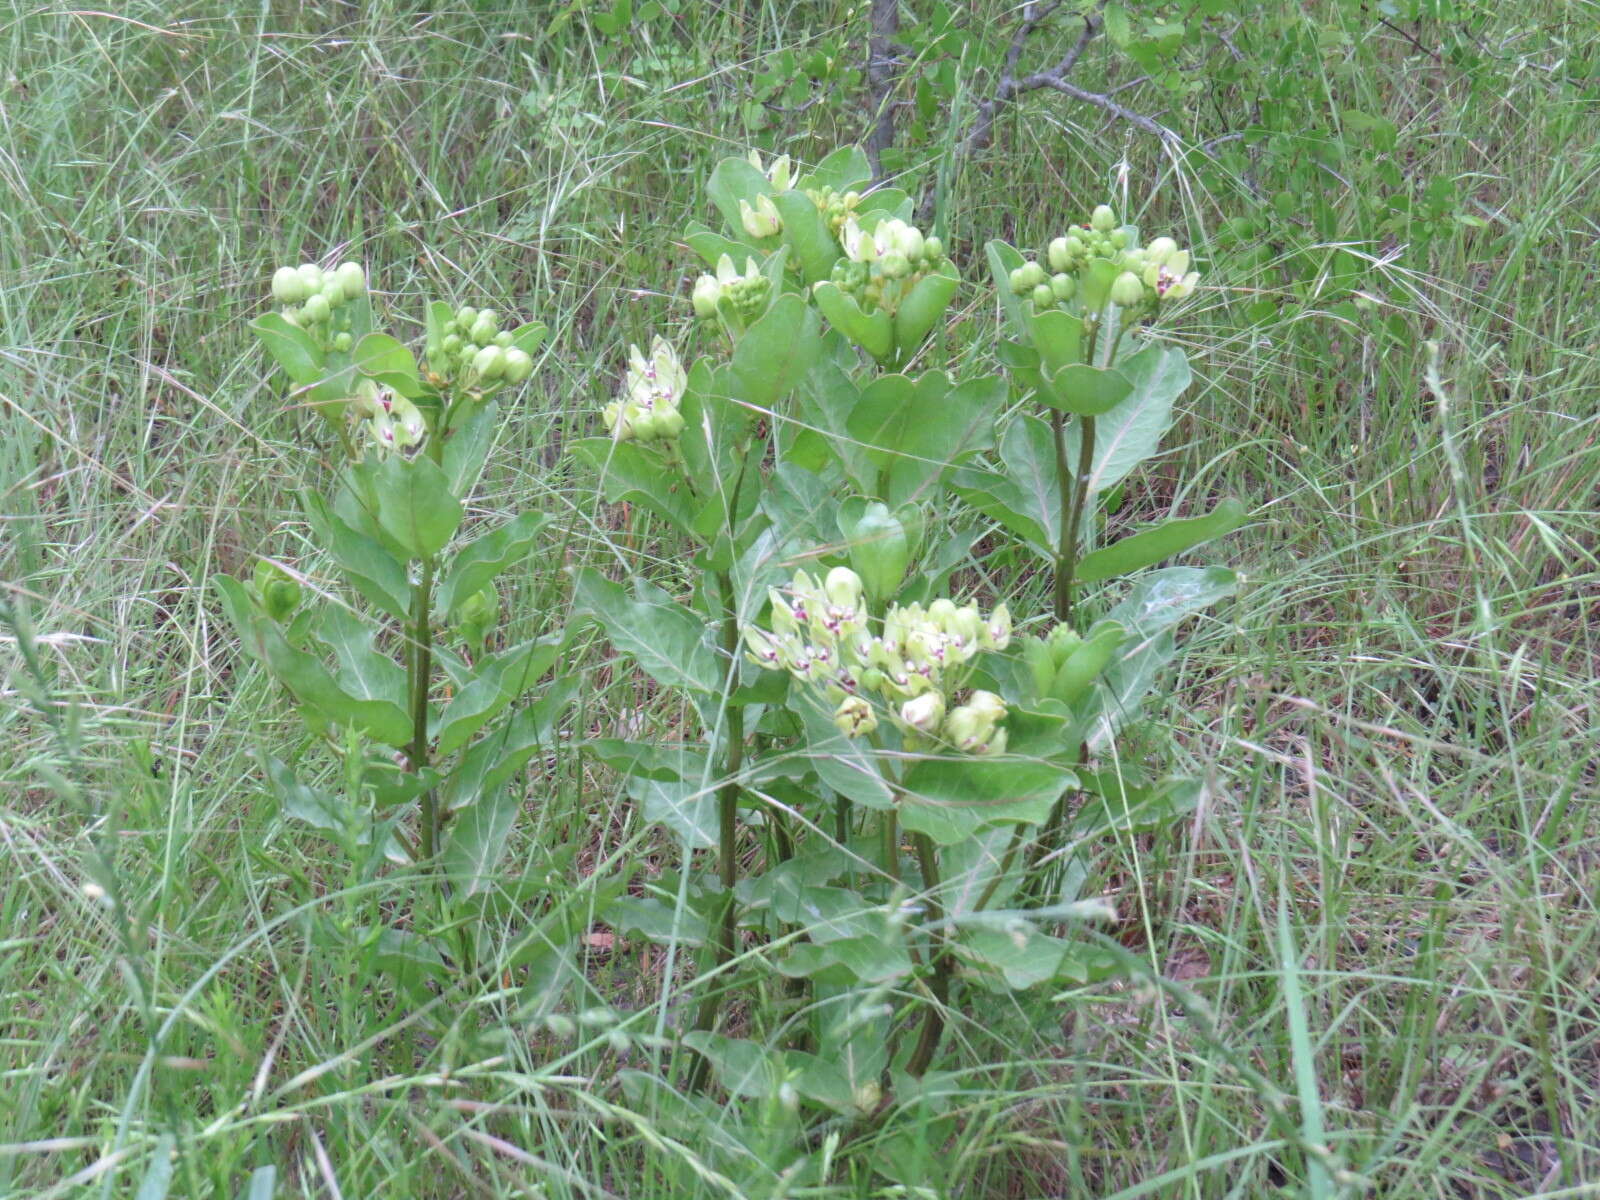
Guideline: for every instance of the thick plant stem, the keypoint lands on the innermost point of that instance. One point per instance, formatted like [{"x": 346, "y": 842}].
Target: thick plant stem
[
  {"x": 727, "y": 809},
  {"x": 889, "y": 834},
  {"x": 1072, "y": 513},
  {"x": 933, "y": 1020},
  {"x": 421, "y": 670}
]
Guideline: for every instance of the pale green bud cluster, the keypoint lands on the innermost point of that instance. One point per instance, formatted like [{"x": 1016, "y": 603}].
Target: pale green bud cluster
[
  {"x": 1146, "y": 277},
  {"x": 318, "y": 301},
  {"x": 472, "y": 350},
  {"x": 1064, "y": 664},
  {"x": 746, "y": 295},
  {"x": 477, "y": 616},
  {"x": 880, "y": 268},
  {"x": 647, "y": 411},
  {"x": 821, "y": 636},
  {"x": 837, "y": 208}
]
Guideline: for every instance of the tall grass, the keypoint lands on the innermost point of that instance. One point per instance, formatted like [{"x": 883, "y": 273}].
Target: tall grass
[{"x": 1380, "y": 931}]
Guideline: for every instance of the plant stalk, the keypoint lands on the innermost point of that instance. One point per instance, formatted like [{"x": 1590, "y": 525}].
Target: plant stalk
[
  {"x": 933, "y": 1020},
  {"x": 421, "y": 664}
]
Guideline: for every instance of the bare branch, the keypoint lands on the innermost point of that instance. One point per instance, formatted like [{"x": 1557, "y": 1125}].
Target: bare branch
[{"x": 1055, "y": 78}]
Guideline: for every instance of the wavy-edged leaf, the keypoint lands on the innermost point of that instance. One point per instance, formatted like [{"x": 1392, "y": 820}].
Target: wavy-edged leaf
[
  {"x": 478, "y": 562},
  {"x": 1163, "y": 541},
  {"x": 415, "y": 506},
  {"x": 664, "y": 638}
]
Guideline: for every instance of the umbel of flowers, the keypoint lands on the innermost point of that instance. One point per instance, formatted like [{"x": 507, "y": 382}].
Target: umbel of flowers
[
  {"x": 647, "y": 411},
  {"x": 318, "y": 301},
  {"x": 1137, "y": 277},
  {"x": 821, "y": 634}
]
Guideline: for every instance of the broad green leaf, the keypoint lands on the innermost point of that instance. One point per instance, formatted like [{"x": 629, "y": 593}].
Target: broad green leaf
[
  {"x": 1004, "y": 259},
  {"x": 951, "y": 798},
  {"x": 1086, "y": 391},
  {"x": 1024, "y": 957},
  {"x": 1131, "y": 432},
  {"x": 1026, "y": 497},
  {"x": 659, "y": 922},
  {"x": 630, "y": 474},
  {"x": 688, "y": 808},
  {"x": 920, "y": 311},
  {"x": 732, "y": 180},
  {"x": 775, "y": 353},
  {"x": 805, "y": 231},
  {"x": 383, "y": 358},
  {"x": 851, "y": 768},
  {"x": 478, "y": 562},
  {"x": 415, "y": 506},
  {"x": 821, "y": 1081},
  {"x": 1087, "y": 660},
  {"x": 1163, "y": 541},
  {"x": 711, "y": 246},
  {"x": 1057, "y": 336},
  {"x": 498, "y": 682},
  {"x": 664, "y": 638},
  {"x": 873, "y": 332},
  {"x": 363, "y": 561},
  {"x": 292, "y": 348},
  {"x": 1158, "y": 602},
  {"x": 743, "y": 1068},
  {"x": 305, "y": 676},
  {"x": 361, "y": 669},
  {"x": 880, "y": 545},
  {"x": 467, "y": 446},
  {"x": 529, "y": 337},
  {"x": 490, "y": 762},
  {"x": 843, "y": 169},
  {"x": 1118, "y": 806},
  {"x": 887, "y": 407},
  {"x": 477, "y": 840}
]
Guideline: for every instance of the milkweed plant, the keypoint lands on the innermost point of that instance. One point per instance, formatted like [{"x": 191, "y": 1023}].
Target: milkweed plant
[{"x": 893, "y": 760}]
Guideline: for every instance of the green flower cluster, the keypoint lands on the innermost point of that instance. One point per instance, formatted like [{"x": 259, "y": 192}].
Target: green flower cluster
[
  {"x": 740, "y": 298},
  {"x": 1064, "y": 664},
  {"x": 880, "y": 268},
  {"x": 318, "y": 301},
  {"x": 390, "y": 421},
  {"x": 1144, "y": 277},
  {"x": 837, "y": 208},
  {"x": 820, "y": 634},
  {"x": 474, "y": 351},
  {"x": 647, "y": 411}
]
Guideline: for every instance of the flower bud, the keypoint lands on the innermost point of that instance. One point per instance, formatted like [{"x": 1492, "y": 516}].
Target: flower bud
[
  {"x": 451, "y": 343},
  {"x": 855, "y": 716},
  {"x": 1019, "y": 282},
  {"x": 762, "y": 220},
  {"x": 895, "y": 265},
  {"x": 342, "y": 343},
  {"x": 1127, "y": 290},
  {"x": 1160, "y": 250},
  {"x": 707, "y": 291},
  {"x": 352, "y": 279},
  {"x": 287, "y": 287},
  {"x": 996, "y": 634},
  {"x": 923, "y": 713},
  {"x": 1103, "y": 220},
  {"x": 279, "y": 594},
  {"x": 1063, "y": 286},
  {"x": 310, "y": 276},
  {"x": 669, "y": 424},
  {"x": 465, "y": 316},
  {"x": 987, "y": 705},
  {"x": 1178, "y": 263},
  {"x": 1032, "y": 274},
  {"x": 482, "y": 332},
  {"x": 1063, "y": 640},
  {"x": 518, "y": 365},
  {"x": 489, "y": 362},
  {"x": 1059, "y": 255},
  {"x": 317, "y": 309},
  {"x": 504, "y": 338},
  {"x": 1043, "y": 296},
  {"x": 645, "y": 426},
  {"x": 911, "y": 243},
  {"x": 843, "y": 588},
  {"x": 1118, "y": 239},
  {"x": 933, "y": 249}
]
